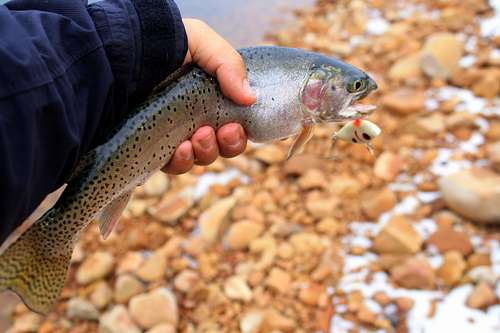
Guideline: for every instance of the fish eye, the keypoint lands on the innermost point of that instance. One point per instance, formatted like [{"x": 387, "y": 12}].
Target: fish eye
[{"x": 356, "y": 85}]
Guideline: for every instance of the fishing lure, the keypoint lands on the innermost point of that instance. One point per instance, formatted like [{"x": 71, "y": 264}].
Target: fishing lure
[{"x": 360, "y": 131}]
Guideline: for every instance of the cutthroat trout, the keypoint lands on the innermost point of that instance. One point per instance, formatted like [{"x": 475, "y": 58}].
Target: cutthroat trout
[{"x": 295, "y": 89}]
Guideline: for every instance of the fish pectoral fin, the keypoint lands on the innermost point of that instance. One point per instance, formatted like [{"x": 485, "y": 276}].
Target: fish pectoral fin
[
  {"x": 35, "y": 266},
  {"x": 109, "y": 215},
  {"x": 300, "y": 140}
]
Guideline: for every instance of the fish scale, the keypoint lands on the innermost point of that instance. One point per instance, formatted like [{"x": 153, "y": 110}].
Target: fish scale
[{"x": 35, "y": 266}]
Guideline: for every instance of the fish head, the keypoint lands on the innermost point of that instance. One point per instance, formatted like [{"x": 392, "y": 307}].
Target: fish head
[{"x": 332, "y": 90}]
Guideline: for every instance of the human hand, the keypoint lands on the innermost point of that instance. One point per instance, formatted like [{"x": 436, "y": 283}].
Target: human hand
[{"x": 218, "y": 58}]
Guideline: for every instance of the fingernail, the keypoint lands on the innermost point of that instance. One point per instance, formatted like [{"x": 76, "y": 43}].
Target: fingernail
[
  {"x": 233, "y": 141},
  {"x": 246, "y": 87},
  {"x": 206, "y": 141},
  {"x": 186, "y": 154}
]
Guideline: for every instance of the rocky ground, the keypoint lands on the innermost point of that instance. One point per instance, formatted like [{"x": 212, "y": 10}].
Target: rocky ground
[{"x": 403, "y": 241}]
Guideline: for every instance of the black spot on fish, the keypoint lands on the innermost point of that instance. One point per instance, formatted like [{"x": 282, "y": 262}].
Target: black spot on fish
[
  {"x": 354, "y": 140},
  {"x": 366, "y": 136}
]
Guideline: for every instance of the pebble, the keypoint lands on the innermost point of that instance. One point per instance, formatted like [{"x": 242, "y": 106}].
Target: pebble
[
  {"x": 428, "y": 125},
  {"x": 102, "y": 295},
  {"x": 493, "y": 153},
  {"x": 414, "y": 273},
  {"x": 450, "y": 240},
  {"x": 473, "y": 193},
  {"x": 274, "y": 320},
  {"x": 251, "y": 322},
  {"x": 95, "y": 267},
  {"x": 156, "y": 185},
  {"x": 154, "y": 268},
  {"x": 279, "y": 280},
  {"x": 270, "y": 154},
  {"x": 397, "y": 237},
  {"x": 311, "y": 294},
  {"x": 242, "y": 233},
  {"x": 173, "y": 206},
  {"x": 163, "y": 328},
  {"x": 81, "y": 309},
  {"x": 376, "y": 202},
  {"x": 483, "y": 274},
  {"x": 404, "y": 304},
  {"x": 481, "y": 297},
  {"x": 28, "y": 322},
  {"x": 452, "y": 268},
  {"x": 478, "y": 259},
  {"x": 127, "y": 286},
  {"x": 320, "y": 207},
  {"x": 388, "y": 166},
  {"x": 313, "y": 178},
  {"x": 117, "y": 320},
  {"x": 236, "y": 288},
  {"x": 130, "y": 262},
  {"x": 156, "y": 307},
  {"x": 406, "y": 68},
  {"x": 298, "y": 165},
  {"x": 186, "y": 280},
  {"x": 404, "y": 101},
  {"x": 441, "y": 55},
  {"x": 212, "y": 221}
]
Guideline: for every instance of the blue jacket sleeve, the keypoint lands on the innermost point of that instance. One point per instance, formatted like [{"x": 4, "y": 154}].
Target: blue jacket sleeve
[{"x": 68, "y": 72}]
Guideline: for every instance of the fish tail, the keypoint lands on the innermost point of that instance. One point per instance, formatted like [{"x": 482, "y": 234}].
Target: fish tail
[{"x": 36, "y": 268}]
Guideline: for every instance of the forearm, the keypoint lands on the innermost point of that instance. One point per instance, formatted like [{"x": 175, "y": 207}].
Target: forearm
[{"x": 68, "y": 73}]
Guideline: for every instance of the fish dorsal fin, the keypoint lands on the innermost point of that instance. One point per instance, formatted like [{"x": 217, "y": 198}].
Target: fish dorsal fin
[
  {"x": 109, "y": 215},
  {"x": 300, "y": 140},
  {"x": 172, "y": 78}
]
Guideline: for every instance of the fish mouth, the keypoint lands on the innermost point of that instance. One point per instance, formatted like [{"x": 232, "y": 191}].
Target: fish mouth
[{"x": 363, "y": 110}]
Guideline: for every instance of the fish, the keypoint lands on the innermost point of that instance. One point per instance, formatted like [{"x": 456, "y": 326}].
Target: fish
[
  {"x": 295, "y": 89},
  {"x": 360, "y": 131}
]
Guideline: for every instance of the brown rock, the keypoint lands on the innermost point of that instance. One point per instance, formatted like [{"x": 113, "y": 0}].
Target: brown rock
[
  {"x": 270, "y": 154},
  {"x": 388, "y": 261},
  {"x": 478, "y": 259},
  {"x": 366, "y": 316},
  {"x": 388, "y": 166},
  {"x": 405, "y": 101},
  {"x": 441, "y": 55},
  {"x": 452, "y": 269},
  {"x": 450, "y": 240},
  {"x": 241, "y": 233},
  {"x": 381, "y": 298},
  {"x": 279, "y": 280},
  {"x": 300, "y": 164},
  {"x": 377, "y": 202},
  {"x": 156, "y": 185},
  {"x": 473, "y": 193},
  {"x": 156, "y": 307},
  {"x": 481, "y": 297},
  {"x": 236, "y": 288},
  {"x": 428, "y": 125},
  {"x": 311, "y": 294},
  {"x": 274, "y": 320},
  {"x": 488, "y": 85},
  {"x": 406, "y": 68},
  {"x": 321, "y": 207},
  {"x": 102, "y": 295},
  {"x": 212, "y": 221},
  {"x": 415, "y": 273},
  {"x": 173, "y": 206},
  {"x": 186, "y": 280},
  {"x": 404, "y": 304},
  {"x": 313, "y": 178},
  {"x": 117, "y": 320},
  {"x": 397, "y": 237},
  {"x": 127, "y": 286},
  {"x": 154, "y": 267},
  {"x": 95, "y": 267},
  {"x": 493, "y": 132},
  {"x": 493, "y": 153},
  {"x": 251, "y": 321},
  {"x": 163, "y": 328}
]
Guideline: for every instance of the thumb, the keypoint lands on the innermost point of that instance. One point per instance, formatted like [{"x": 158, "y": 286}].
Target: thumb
[{"x": 218, "y": 58}]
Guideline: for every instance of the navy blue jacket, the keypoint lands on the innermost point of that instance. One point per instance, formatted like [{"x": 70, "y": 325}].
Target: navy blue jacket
[{"x": 68, "y": 72}]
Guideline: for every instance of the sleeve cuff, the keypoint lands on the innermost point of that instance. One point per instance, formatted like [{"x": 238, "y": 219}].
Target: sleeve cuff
[
  {"x": 164, "y": 42},
  {"x": 145, "y": 41}
]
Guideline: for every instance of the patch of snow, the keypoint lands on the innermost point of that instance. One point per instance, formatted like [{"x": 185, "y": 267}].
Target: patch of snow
[
  {"x": 402, "y": 187},
  {"x": 467, "y": 61},
  {"x": 490, "y": 26},
  {"x": 427, "y": 197},
  {"x": 425, "y": 227},
  {"x": 453, "y": 316},
  {"x": 211, "y": 178},
  {"x": 495, "y": 54},
  {"x": 443, "y": 164},
  {"x": 377, "y": 26},
  {"x": 471, "y": 44},
  {"x": 364, "y": 228},
  {"x": 407, "y": 206}
]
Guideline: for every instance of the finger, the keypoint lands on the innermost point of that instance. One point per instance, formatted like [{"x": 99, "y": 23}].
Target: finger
[
  {"x": 205, "y": 145},
  {"x": 232, "y": 140},
  {"x": 217, "y": 57},
  {"x": 182, "y": 161}
]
